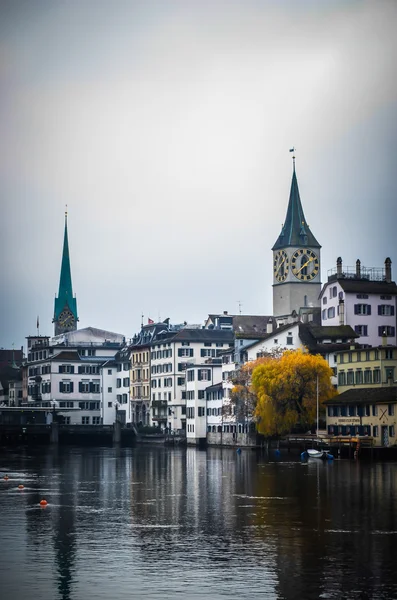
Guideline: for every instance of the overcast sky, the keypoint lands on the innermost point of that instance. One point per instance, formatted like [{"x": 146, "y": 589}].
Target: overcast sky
[{"x": 165, "y": 127}]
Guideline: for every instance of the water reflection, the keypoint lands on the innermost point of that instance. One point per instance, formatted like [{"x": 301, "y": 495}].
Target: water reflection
[{"x": 158, "y": 523}]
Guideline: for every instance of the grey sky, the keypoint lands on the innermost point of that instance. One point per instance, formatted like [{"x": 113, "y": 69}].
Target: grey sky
[{"x": 165, "y": 126}]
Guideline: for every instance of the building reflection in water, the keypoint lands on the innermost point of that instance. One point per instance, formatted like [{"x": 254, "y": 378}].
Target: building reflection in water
[{"x": 176, "y": 520}]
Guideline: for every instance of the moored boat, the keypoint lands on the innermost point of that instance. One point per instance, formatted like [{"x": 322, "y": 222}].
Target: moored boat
[{"x": 323, "y": 454}]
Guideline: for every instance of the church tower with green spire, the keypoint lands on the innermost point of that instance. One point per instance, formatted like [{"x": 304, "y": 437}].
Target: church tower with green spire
[
  {"x": 65, "y": 306},
  {"x": 296, "y": 260}
]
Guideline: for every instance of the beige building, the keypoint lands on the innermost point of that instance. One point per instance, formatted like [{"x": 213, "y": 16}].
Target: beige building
[
  {"x": 367, "y": 400},
  {"x": 140, "y": 384}
]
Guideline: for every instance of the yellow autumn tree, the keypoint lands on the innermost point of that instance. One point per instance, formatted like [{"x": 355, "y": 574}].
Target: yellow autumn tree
[
  {"x": 243, "y": 397},
  {"x": 286, "y": 391}
]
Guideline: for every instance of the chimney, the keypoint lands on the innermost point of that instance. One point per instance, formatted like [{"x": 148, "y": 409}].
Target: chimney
[
  {"x": 225, "y": 312},
  {"x": 269, "y": 326},
  {"x": 338, "y": 267},
  {"x": 358, "y": 268},
  {"x": 341, "y": 311},
  {"x": 388, "y": 270}
]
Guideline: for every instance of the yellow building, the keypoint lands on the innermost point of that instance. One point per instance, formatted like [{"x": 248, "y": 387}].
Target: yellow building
[
  {"x": 140, "y": 384},
  {"x": 367, "y": 400}
]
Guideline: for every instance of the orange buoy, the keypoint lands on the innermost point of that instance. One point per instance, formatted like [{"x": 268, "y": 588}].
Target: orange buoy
[
  {"x": 20, "y": 487},
  {"x": 43, "y": 502}
]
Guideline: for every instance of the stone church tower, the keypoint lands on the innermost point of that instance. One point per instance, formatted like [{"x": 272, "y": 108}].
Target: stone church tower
[
  {"x": 296, "y": 260},
  {"x": 65, "y": 306}
]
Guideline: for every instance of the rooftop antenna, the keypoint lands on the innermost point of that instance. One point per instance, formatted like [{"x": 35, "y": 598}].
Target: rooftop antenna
[
  {"x": 239, "y": 306},
  {"x": 142, "y": 315}
]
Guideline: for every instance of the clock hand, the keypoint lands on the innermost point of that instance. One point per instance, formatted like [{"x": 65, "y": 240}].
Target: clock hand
[
  {"x": 303, "y": 266},
  {"x": 280, "y": 265}
]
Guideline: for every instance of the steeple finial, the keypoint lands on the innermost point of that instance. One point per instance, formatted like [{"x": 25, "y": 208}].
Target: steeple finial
[{"x": 293, "y": 156}]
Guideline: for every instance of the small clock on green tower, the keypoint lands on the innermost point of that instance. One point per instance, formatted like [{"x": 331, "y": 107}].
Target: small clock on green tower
[
  {"x": 305, "y": 264},
  {"x": 66, "y": 319}
]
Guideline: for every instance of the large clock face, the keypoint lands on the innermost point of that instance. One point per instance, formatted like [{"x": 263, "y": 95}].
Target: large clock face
[
  {"x": 66, "y": 319},
  {"x": 280, "y": 265},
  {"x": 305, "y": 264}
]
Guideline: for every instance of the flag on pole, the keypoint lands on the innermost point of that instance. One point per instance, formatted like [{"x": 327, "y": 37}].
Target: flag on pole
[
  {"x": 37, "y": 323},
  {"x": 150, "y": 322}
]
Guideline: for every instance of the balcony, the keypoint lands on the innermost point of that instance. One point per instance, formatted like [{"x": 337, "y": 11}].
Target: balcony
[
  {"x": 364, "y": 273},
  {"x": 160, "y": 417},
  {"x": 159, "y": 403}
]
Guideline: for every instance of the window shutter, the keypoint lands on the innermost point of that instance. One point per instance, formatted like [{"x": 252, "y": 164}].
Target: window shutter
[
  {"x": 71, "y": 386},
  {"x": 202, "y": 352},
  {"x": 91, "y": 387},
  {"x": 209, "y": 374},
  {"x": 392, "y": 331},
  {"x": 80, "y": 386},
  {"x": 72, "y": 369},
  {"x": 179, "y": 351},
  {"x": 368, "y": 309},
  {"x": 392, "y": 311},
  {"x": 61, "y": 387},
  {"x": 200, "y": 375},
  {"x": 380, "y": 330},
  {"x": 60, "y": 369},
  {"x": 356, "y": 309},
  {"x": 379, "y": 309},
  {"x": 80, "y": 369}
]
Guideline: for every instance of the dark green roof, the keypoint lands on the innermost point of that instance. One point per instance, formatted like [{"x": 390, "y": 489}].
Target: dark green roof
[
  {"x": 372, "y": 395},
  {"x": 65, "y": 292},
  {"x": 295, "y": 231}
]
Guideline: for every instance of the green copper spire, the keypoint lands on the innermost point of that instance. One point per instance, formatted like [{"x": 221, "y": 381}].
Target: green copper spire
[
  {"x": 65, "y": 299},
  {"x": 295, "y": 231}
]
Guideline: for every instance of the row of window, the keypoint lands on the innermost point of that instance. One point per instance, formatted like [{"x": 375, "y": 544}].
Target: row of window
[
  {"x": 202, "y": 375},
  {"x": 139, "y": 374},
  {"x": 121, "y": 399},
  {"x": 190, "y": 412},
  {"x": 81, "y": 405},
  {"x": 41, "y": 355},
  {"x": 95, "y": 420},
  {"x": 85, "y": 387},
  {"x": 228, "y": 428},
  {"x": 140, "y": 357},
  {"x": 359, "y": 377},
  {"x": 359, "y": 356},
  {"x": 191, "y": 394},
  {"x": 166, "y": 368},
  {"x": 359, "y": 430},
  {"x": 89, "y": 405},
  {"x": 126, "y": 382},
  {"x": 358, "y": 410},
  {"x": 167, "y": 396},
  {"x": 157, "y": 354},
  {"x": 140, "y": 392},
  {"x": 166, "y": 383}
]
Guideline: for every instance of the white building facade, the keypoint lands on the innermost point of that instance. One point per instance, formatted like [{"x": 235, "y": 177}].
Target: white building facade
[
  {"x": 363, "y": 298},
  {"x": 170, "y": 356},
  {"x": 66, "y": 372},
  {"x": 199, "y": 377}
]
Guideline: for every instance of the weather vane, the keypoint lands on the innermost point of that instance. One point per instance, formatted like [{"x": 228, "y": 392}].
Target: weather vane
[{"x": 293, "y": 149}]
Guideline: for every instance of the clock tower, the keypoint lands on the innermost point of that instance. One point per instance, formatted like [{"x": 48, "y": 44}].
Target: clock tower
[
  {"x": 296, "y": 260},
  {"x": 65, "y": 306}
]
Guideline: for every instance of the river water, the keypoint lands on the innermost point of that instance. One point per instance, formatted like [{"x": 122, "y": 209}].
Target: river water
[{"x": 161, "y": 523}]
